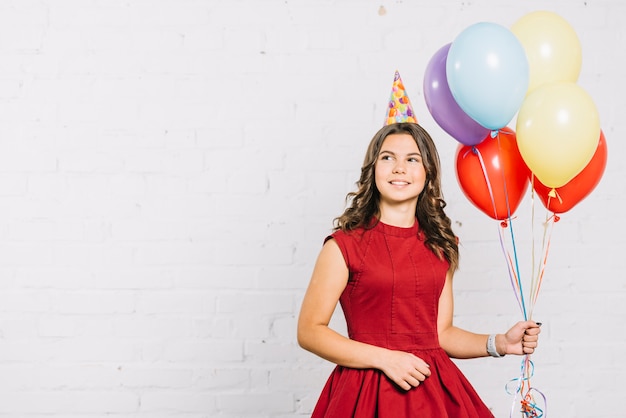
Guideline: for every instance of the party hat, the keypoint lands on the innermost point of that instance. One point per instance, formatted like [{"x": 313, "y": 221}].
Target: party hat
[{"x": 399, "y": 109}]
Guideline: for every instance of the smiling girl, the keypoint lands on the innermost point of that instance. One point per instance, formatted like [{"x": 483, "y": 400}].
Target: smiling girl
[{"x": 389, "y": 263}]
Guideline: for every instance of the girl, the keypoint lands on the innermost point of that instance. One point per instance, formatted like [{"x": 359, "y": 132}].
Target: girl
[{"x": 390, "y": 263}]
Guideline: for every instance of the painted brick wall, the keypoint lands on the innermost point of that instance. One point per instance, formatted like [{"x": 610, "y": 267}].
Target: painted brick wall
[{"x": 168, "y": 170}]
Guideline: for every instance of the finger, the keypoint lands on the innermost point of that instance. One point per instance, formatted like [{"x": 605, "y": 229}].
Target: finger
[
  {"x": 532, "y": 344},
  {"x": 528, "y": 350},
  {"x": 422, "y": 368},
  {"x": 403, "y": 384},
  {"x": 419, "y": 376},
  {"x": 528, "y": 325},
  {"x": 424, "y": 371},
  {"x": 532, "y": 331},
  {"x": 412, "y": 381},
  {"x": 530, "y": 338}
]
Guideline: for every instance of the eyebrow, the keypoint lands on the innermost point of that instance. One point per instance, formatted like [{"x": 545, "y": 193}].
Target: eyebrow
[{"x": 393, "y": 153}]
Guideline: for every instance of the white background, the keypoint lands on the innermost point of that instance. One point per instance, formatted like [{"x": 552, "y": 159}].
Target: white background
[{"x": 169, "y": 169}]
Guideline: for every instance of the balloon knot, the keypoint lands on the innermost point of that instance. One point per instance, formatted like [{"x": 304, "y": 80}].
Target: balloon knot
[
  {"x": 504, "y": 224},
  {"x": 552, "y": 193},
  {"x": 557, "y": 218},
  {"x": 494, "y": 133}
]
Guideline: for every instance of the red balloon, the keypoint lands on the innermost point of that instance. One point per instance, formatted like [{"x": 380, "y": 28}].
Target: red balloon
[
  {"x": 503, "y": 165},
  {"x": 578, "y": 188}
]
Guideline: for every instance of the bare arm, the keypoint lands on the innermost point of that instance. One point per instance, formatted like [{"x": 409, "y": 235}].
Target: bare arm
[
  {"x": 458, "y": 343},
  {"x": 329, "y": 279}
]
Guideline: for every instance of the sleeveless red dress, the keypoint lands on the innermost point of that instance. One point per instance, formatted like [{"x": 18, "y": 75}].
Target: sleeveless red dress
[{"x": 391, "y": 300}]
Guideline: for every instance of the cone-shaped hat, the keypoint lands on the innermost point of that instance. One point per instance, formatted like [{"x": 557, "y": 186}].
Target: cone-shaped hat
[{"x": 399, "y": 108}]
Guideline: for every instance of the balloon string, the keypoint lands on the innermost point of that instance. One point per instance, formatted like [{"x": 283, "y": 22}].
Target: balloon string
[
  {"x": 547, "y": 236},
  {"x": 531, "y": 399},
  {"x": 513, "y": 264},
  {"x": 533, "y": 250},
  {"x": 510, "y": 219},
  {"x": 532, "y": 402},
  {"x": 514, "y": 278},
  {"x": 548, "y": 227}
]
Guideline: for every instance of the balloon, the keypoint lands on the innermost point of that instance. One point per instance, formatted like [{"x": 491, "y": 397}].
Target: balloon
[
  {"x": 578, "y": 188},
  {"x": 557, "y": 131},
  {"x": 487, "y": 72},
  {"x": 504, "y": 167},
  {"x": 552, "y": 47},
  {"x": 442, "y": 105}
]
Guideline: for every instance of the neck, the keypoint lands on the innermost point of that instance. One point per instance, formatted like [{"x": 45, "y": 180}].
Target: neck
[{"x": 398, "y": 215}]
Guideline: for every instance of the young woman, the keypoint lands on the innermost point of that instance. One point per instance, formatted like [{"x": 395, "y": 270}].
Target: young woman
[{"x": 390, "y": 264}]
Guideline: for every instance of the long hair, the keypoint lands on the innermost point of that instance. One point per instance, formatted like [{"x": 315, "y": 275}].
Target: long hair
[{"x": 363, "y": 204}]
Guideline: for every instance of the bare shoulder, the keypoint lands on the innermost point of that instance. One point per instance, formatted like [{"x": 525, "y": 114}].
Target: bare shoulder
[{"x": 330, "y": 261}]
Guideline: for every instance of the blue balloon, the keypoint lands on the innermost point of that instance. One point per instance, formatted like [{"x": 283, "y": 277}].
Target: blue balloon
[
  {"x": 488, "y": 73},
  {"x": 444, "y": 108}
]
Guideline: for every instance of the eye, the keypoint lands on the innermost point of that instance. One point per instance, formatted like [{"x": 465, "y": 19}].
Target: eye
[
  {"x": 385, "y": 157},
  {"x": 415, "y": 160}
]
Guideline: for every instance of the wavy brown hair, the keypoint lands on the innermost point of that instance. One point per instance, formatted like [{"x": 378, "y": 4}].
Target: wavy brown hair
[{"x": 434, "y": 223}]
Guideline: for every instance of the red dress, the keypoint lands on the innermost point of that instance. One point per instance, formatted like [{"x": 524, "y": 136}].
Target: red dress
[{"x": 391, "y": 300}]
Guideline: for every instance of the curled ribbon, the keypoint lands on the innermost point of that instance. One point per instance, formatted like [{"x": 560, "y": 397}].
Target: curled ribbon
[{"x": 532, "y": 402}]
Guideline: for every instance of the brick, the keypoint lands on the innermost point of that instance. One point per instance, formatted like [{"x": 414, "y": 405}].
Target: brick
[
  {"x": 168, "y": 301},
  {"x": 178, "y": 402},
  {"x": 15, "y": 328},
  {"x": 59, "y": 402},
  {"x": 257, "y": 403},
  {"x": 133, "y": 278},
  {"x": 150, "y": 327},
  {"x": 92, "y": 302},
  {"x": 155, "y": 377},
  {"x": 56, "y": 327},
  {"x": 222, "y": 378},
  {"x": 218, "y": 351},
  {"x": 88, "y": 350},
  {"x": 46, "y": 231},
  {"x": 25, "y": 300},
  {"x": 12, "y": 184},
  {"x": 257, "y": 302},
  {"x": 269, "y": 351},
  {"x": 62, "y": 377}
]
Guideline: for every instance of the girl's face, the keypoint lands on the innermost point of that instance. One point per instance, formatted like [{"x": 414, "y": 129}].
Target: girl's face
[{"x": 399, "y": 171}]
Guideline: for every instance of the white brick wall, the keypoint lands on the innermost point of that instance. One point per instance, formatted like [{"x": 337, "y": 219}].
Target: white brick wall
[{"x": 168, "y": 170}]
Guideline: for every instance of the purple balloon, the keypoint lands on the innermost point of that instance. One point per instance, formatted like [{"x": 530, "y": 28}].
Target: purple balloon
[{"x": 442, "y": 106}]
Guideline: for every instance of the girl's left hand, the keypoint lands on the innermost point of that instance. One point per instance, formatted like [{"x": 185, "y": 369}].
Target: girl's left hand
[{"x": 522, "y": 338}]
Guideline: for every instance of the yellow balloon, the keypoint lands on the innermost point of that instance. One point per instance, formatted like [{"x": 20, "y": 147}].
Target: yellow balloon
[
  {"x": 558, "y": 129},
  {"x": 552, "y": 48}
]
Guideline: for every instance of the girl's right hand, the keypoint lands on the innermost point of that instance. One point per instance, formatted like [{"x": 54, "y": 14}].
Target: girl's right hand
[{"x": 405, "y": 369}]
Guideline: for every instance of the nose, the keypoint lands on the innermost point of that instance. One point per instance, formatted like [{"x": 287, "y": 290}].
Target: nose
[{"x": 399, "y": 168}]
